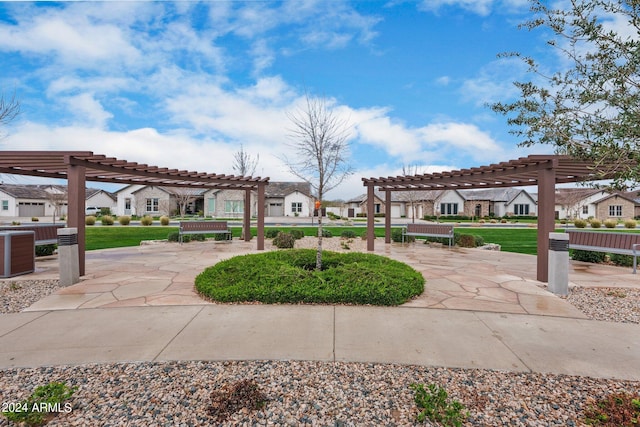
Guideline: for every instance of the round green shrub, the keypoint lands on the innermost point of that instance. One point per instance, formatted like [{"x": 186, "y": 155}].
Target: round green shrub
[
  {"x": 595, "y": 223},
  {"x": 164, "y": 220},
  {"x": 587, "y": 256},
  {"x": 107, "y": 220},
  {"x": 467, "y": 241},
  {"x": 124, "y": 220},
  {"x": 622, "y": 260},
  {"x": 174, "y": 236},
  {"x": 326, "y": 233},
  {"x": 219, "y": 237},
  {"x": 290, "y": 277},
  {"x": 297, "y": 233},
  {"x": 580, "y": 223},
  {"x": 146, "y": 220},
  {"x": 45, "y": 250},
  {"x": 396, "y": 236},
  {"x": 198, "y": 237},
  {"x": 284, "y": 241},
  {"x": 630, "y": 223},
  {"x": 270, "y": 233},
  {"x": 35, "y": 219},
  {"x": 348, "y": 234},
  {"x": 610, "y": 223},
  {"x": 479, "y": 240},
  {"x": 90, "y": 220}
]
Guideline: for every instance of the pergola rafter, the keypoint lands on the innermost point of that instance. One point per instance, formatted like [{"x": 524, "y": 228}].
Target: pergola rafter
[
  {"x": 545, "y": 171},
  {"x": 77, "y": 167}
]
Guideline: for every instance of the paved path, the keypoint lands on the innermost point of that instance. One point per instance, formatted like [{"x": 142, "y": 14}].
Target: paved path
[{"x": 480, "y": 310}]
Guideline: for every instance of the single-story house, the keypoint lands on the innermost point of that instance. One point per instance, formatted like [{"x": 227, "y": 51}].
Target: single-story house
[
  {"x": 38, "y": 200},
  {"x": 281, "y": 199},
  {"x": 587, "y": 203},
  {"x": 478, "y": 203}
]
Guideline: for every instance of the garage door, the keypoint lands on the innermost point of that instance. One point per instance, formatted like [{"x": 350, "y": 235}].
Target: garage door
[
  {"x": 30, "y": 209},
  {"x": 276, "y": 209}
]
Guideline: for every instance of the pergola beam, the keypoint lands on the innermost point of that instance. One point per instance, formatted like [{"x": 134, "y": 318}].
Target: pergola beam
[
  {"x": 77, "y": 167},
  {"x": 545, "y": 171}
]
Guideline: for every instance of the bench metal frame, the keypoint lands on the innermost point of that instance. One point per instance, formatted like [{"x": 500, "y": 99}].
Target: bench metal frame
[
  {"x": 597, "y": 242},
  {"x": 204, "y": 227},
  {"x": 429, "y": 230},
  {"x": 45, "y": 234}
]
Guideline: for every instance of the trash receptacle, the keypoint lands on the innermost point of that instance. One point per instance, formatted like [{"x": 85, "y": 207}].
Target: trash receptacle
[{"x": 18, "y": 253}]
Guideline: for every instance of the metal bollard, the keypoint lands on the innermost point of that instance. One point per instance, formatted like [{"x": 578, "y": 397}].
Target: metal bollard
[
  {"x": 68, "y": 256},
  {"x": 559, "y": 263}
]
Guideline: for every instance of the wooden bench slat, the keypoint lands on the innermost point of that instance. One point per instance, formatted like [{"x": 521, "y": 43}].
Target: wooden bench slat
[
  {"x": 429, "y": 230},
  {"x": 600, "y": 241},
  {"x": 203, "y": 227}
]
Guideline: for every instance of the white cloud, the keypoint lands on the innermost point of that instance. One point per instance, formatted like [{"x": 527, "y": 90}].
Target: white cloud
[
  {"x": 69, "y": 39},
  {"x": 432, "y": 142},
  {"x": 87, "y": 110},
  {"x": 494, "y": 81}
]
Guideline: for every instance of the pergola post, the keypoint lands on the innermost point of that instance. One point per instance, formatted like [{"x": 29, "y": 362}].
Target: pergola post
[
  {"x": 546, "y": 219},
  {"x": 371, "y": 235},
  {"x": 246, "y": 222},
  {"x": 76, "y": 176},
  {"x": 387, "y": 216},
  {"x": 261, "y": 201}
]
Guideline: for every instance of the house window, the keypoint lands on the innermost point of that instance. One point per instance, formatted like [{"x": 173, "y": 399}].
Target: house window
[
  {"x": 585, "y": 210},
  {"x": 296, "y": 207},
  {"x": 211, "y": 206},
  {"x": 5, "y": 205},
  {"x": 615, "y": 210},
  {"x": 234, "y": 206},
  {"x": 448, "y": 208},
  {"x": 153, "y": 205},
  {"x": 378, "y": 208},
  {"x": 521, "y": 209}
]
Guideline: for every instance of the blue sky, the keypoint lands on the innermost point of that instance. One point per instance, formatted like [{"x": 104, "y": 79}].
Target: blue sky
[{"x": 183, "y": 84}]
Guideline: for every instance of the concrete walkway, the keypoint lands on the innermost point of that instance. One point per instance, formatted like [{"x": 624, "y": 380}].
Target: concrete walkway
[{"x": 480, "y": 310}]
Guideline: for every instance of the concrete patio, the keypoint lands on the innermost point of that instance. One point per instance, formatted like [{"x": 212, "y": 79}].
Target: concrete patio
[{"x": 480, "y": 309}]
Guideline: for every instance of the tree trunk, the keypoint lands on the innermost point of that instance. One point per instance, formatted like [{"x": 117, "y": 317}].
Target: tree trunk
[{"x": 319, "y": 252}]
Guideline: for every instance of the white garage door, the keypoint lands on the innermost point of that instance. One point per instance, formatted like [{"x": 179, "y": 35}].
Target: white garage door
[{"x": 27, "y": 209}]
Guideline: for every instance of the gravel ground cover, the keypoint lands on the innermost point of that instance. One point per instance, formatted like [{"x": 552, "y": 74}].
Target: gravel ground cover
[
  {"x": 16, "y": 295},
  {"x": 314, "y": 393},
  {"x": 609, "y": 304}
]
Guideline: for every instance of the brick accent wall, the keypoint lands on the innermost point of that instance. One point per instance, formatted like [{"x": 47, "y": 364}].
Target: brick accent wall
[{"x": 602, "y": 209}]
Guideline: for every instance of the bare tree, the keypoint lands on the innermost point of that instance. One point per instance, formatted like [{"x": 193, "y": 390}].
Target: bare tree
[
  {"x": 9, "y": 109},
  {"x": 412, "y": 196},
  {"x": 244, "y": 163},
  {"x": 184, "y": 196},
  {"x": 57, "y": 197},
  {"x": 321, "y": 151}
]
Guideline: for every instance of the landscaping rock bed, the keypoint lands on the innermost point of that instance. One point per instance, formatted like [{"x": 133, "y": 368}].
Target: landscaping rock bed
[
  {"x": 315, "y": 393},
  {"x": 299, "y": 393},
  {"x": 16, "y": 295}
]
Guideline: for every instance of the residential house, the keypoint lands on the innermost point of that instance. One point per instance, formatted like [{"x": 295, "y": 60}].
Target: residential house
[
  {"x": 508, "y": 201},
  {"x": 587, "y": 203},
  {"x": 281, "y": 199},
  {"x": 36, "y": 200},
  {"x": 478, "y": 203}
]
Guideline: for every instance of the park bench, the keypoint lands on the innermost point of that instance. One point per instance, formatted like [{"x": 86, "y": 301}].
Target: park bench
[
  {"x": 204, "y": 227},
  {"x": 429, "y": 230},
  {"x": 45, "y": 234},
  {"x": 599, "y": 241}
]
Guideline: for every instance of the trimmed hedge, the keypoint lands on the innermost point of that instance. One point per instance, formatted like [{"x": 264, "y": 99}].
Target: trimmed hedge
[{"x": 289, "y": 276}]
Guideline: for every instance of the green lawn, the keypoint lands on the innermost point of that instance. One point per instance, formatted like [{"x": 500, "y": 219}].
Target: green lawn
[{"x": 521, "y": 240}]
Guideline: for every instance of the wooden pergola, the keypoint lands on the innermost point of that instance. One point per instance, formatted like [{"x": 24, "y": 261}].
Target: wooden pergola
[
  {"x": 544, "y": 171},
  {"x": 77, "y": 167}
]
